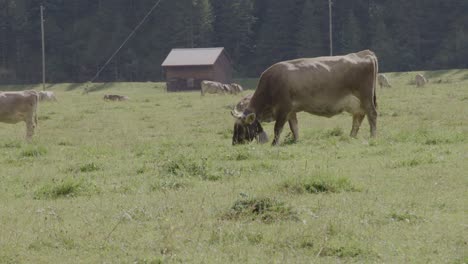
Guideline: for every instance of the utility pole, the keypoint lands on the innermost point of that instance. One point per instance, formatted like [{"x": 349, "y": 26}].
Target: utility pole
[
  {"x": 43, "y": 48},
  {"x": 330, "y": 26}
]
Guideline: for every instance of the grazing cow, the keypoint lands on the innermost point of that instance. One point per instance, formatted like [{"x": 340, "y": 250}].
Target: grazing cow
[
  {"x": 420, "y": 80},
  {"x": 115, "y": 97},
  {"x": 323, "y": 86},
  {"x": 212, "y": 87},
  {"x": 236, "y": 88},
  {"x": 383, "y": 81},
  {"x": 227, "y": 89},
  {"x": 47, "y": 96},
  {"x": 19, "y": 106}
]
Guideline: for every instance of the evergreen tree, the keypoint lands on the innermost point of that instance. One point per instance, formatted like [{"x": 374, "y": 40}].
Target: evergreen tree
[
  {"x": 233, "y": 28},
  {"x": 81, "y": 35},
  {"x": 350, "y": 37},
  {"x": 276, "y": 38},
  {"x": 313, "y": 35}
]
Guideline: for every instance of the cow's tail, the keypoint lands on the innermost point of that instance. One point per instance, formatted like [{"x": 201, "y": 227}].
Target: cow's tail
[{"x": 374, "y": 82}]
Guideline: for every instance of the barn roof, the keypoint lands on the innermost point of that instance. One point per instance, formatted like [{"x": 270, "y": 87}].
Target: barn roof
[{"x": 193, "y": 57}]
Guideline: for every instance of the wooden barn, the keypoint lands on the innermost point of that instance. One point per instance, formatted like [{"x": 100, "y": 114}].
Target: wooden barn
[{"x": 184, "y": 69}]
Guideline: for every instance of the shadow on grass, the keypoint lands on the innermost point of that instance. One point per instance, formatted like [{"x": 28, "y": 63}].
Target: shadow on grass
[
  {"x": 398, "y": 74},
  {"x": 465, "y": 77},
  {"x": 99, "y": 87},
  {"x": 91, "y": 87},
  {"x": 74, "y": 86},
  {"x": 440, "y": 73}
]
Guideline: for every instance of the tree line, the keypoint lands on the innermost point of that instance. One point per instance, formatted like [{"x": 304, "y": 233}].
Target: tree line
[{"x": 81, "y": 35}]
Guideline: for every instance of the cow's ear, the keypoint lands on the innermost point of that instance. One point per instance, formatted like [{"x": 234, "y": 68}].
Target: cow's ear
[{"x": 250, "y": 118}]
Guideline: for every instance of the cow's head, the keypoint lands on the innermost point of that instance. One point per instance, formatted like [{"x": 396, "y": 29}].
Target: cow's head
[{"x": 246, "y": 128}]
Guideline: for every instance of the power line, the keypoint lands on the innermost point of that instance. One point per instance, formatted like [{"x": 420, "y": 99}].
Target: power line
[{"x": 125, "y": 41}]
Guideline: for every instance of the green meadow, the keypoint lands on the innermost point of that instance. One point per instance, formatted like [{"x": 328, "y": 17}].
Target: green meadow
[{"x": 156, "y": 180}]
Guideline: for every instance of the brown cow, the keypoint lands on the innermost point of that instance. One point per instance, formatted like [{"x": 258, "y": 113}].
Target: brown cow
[
  {"x": 115, "y": 97},
  {"x": 240, "y": 107},
  {"x": 19, "y": 106},
  {"x": 323, "y": 86}
]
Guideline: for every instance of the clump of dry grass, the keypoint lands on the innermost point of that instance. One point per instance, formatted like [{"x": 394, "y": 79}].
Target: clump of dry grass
[{"x": 265, "y": 209}]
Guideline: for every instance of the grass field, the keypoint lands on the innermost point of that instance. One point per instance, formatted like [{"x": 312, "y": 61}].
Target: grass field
[{"x": 156, "y": 180}]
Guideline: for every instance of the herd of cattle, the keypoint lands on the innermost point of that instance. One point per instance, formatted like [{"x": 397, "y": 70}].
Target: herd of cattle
[
  {"x": 323, "y": 86},
  {"x": 220, "y": 88}
]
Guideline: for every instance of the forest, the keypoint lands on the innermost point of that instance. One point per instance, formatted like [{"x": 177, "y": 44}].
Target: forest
[{"x": 80, "y": 36}]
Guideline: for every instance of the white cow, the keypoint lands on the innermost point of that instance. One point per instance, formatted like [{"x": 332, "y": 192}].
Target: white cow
[
  {"x": 212, "y": 87},
  {"x": 383, "y": 81},
  {"x": 236, "y": 88},
  {"x": 20, "y": 106},
  {"x": 420, "y": 80},
  {"x": 47, "y": 96}
]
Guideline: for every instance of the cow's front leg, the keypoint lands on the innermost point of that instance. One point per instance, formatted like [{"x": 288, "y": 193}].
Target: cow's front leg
[
  {"x": 293, "y": 125},
  {"x": 30, "y": 125},
  {"x": 279, "y": 124}
]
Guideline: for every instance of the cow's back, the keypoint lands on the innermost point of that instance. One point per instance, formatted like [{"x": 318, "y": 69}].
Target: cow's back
[
  {"x": 323, "y": 86},
  {"x": 211, "y": 87}
]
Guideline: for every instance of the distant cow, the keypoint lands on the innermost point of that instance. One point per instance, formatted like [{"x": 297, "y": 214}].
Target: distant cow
[
  {"x": 227, "y": 89},
  {"x": 420, "y": 80},
  {"x": 236, "y": 88},
  {"x": 324, "y": 86},
  {"x": 212, "y": 87},
  {"x": 383, "y": 81},
  {"x": 47, "y": 96},
  {"x": 115, "y": 97},
  {"x": 19, "y": 106}
]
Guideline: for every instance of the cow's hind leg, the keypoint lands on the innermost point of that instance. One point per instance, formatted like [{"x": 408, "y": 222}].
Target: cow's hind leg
[
  {"x": 357, "y": 120},
  {"x": 293, "y": 125},
  {"x": 371, "y": 113}
]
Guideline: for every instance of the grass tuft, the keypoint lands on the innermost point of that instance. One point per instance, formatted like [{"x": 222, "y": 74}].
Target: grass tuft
[
  {"x": 265, "y": 209},
  {"x": 341, "y": 252},
  {"x": 414, "y": 162},
  {"x": 405, "y": 217},
  {"x": 33, "y": 151},
  {"x": 186, "y": 167},
  {"x": 89, "y": 167},
  {"x": 64, "y": 188},
  {"x": 318, "y": 184},
  {"x": 335, "y": 132},
  {"x": 169, "y": 183}
]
